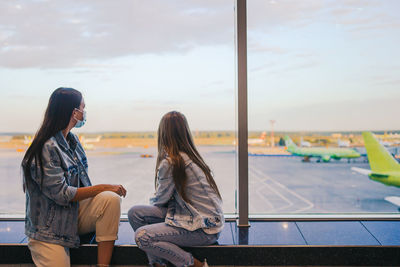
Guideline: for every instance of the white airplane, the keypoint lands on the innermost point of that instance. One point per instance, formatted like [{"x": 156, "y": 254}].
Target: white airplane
[
  {"x": 386, "y": 143},
  {"x": 343, "y": 143},
  {"x": 256, "y": 141},
  {"x": 90, "y": 140},
  {"x": 87, "y": 143},
  {"x": 304, "y": 143},
  {"x": 5, "y": 138}
]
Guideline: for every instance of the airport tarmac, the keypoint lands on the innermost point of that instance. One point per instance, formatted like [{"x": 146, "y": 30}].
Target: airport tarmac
[{"x": 276, "y": 184}]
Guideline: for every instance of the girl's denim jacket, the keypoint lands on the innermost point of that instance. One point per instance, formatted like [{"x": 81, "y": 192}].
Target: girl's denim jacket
[
  {"x": 205, "y": 208},
  {"x": 50, "y": 214}
]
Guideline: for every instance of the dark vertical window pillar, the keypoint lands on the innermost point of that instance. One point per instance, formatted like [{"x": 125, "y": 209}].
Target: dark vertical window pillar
[{"x": 243, "y": 173}]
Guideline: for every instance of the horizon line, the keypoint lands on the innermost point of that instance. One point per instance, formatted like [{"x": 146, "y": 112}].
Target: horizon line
[{"x": 215, "y": 131}]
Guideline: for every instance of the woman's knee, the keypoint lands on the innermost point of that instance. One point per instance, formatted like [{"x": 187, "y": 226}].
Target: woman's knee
[
  {"x": 110, "y": 198},
  {"x": 132, "y": 214},
  {"x": 139, "y": 212},
  {"x": 135, "y": 216},
  {"x": 111, "y": 202},
  {"x": 142, "y": 237}
]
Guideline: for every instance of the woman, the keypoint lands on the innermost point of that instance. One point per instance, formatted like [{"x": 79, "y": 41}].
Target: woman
[
  {"x": 186, "y": 209},
  {"x": 60, "y": 199}
]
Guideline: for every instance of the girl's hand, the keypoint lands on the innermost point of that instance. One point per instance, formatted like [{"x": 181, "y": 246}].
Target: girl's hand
[{"x": 118, "y": 189}]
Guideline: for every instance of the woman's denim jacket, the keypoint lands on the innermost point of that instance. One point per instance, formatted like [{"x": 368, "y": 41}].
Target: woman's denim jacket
[
  {"x": 205, "y": 208},
  {"x": 50, "y": 214}
]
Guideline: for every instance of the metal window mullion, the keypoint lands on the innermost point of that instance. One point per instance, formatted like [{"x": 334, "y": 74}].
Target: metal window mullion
[{"x": 243, "y": 184}]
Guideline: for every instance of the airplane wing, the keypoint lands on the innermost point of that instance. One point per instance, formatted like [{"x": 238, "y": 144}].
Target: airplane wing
[
  {"x": 393, "y": 200},
  {"x": 362, "y": 171},
  {"x": 370, "y": 173}
]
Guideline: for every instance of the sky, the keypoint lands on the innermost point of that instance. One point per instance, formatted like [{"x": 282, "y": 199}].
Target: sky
[{"x": 312, "y": 65}]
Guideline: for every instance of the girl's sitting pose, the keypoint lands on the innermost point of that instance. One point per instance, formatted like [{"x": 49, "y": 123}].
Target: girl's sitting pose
[
  {"x": 60, "y": 199},
  {"x": 187, "y": 207}
]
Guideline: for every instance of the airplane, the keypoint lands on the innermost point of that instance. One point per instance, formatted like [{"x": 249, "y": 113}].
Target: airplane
[
  {"x": 324, "y": 154},
  {"x": 91, "y": 140},
  {"x": 386, "y": 143},
  {"x": 5, "y": 138},
  {"x": 87, "y": 143},
  {"x": 257, "y": 141},
  {"x": 384, "y": 167},
  {"x": 343, "y": 143},
  {"x": 304, "y": 143}
]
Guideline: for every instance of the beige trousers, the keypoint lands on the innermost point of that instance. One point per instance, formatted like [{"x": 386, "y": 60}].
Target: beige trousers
[{"x": 100, "y": 213}]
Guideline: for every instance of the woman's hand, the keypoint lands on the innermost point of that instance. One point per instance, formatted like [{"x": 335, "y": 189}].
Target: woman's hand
[
  {"x": 118, "y": 189},
  {"x": 91, "y": 191}
]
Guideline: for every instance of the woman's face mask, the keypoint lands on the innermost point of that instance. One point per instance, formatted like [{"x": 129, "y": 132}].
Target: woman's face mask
[{"x": 80, "y": 123}]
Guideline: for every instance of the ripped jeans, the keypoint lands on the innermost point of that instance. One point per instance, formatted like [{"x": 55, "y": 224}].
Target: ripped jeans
[{"x": 161, "y": 241}]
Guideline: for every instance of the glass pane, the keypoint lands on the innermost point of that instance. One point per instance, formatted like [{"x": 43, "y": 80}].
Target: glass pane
[
  {"x": 133, "y": 61},
  {"x": 321, "y": 73}
]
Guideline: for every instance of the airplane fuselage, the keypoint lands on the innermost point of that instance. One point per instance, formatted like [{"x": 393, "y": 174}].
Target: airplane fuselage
[
  {"x": 325, "y": 153},
  {"x": 392, "y": 179}
]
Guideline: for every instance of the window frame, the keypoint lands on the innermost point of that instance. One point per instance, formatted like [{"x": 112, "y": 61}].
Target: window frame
[{"x": 242, "y": 167}]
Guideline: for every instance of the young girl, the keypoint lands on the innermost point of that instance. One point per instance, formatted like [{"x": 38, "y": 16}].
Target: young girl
[
  {"x": 60, "y": 199},
  {"x": 187, "y": 207}
]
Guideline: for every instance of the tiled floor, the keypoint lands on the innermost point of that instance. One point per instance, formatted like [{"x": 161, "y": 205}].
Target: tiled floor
[
  {"x": 12, "y": 232},
  {"x": 268, "y": 233},
  {"x": 336, "y": 233},
  {"x": 386, "y": 233}
]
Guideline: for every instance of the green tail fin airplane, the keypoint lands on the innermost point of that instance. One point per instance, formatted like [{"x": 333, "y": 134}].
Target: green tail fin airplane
[
  {"x": 324, "y": 154},
  {"x": 384, "y": 168}
]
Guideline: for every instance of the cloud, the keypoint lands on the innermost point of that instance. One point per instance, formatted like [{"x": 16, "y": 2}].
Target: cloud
[
  {"x": 66, "y": 34},
  {"x": 366, "y": 16},
  {"x": 267, "y": 15},
  {"x": 269, "y": 65},
  {"x": 213, "y": 84},
  {"x": 380, "y": 26},
  {"x": 275, "y": 68},
  {"x": 355, "y": 15},
  {"x": 258, "y": 47}
]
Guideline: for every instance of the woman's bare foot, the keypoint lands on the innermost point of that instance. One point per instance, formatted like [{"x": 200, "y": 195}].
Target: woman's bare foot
[{"x": 197, "y": 263}]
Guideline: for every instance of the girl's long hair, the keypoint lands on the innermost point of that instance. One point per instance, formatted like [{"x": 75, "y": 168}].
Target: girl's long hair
[
  {"x": 59, "y": 110},
  {"x": 174, "y": 136}
]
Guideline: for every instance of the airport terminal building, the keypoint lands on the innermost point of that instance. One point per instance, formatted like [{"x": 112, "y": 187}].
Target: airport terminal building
[{"x": 292, "y": 104}]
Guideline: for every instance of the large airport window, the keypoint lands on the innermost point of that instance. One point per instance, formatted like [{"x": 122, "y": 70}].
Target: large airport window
[
  {"x": 133, "y": 61},
  {"x": 323, "y": 107}
]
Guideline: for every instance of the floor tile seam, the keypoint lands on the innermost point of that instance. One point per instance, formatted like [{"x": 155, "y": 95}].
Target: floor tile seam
[
  {"x": 232, "y": 234},
  {"x": 23, "y": 239},
  {"x": 370, "y": 233},
  {"x": 301, "y": 233}
]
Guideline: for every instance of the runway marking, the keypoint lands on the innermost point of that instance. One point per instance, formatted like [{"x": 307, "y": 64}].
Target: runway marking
[
  {"x": 265, "y": 199},
  {"x": 262, "y": 181},
  {"x": 260, "y": 174},
  {"x": 260, "y": 194}
]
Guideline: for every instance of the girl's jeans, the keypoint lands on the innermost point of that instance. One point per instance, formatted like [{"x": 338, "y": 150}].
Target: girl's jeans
[{"x": 161, "y": 241}]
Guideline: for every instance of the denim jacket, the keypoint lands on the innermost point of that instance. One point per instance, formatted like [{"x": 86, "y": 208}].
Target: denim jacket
[
  {"x": 50, "y": 214},
  {"x": 205, "y": 208}
]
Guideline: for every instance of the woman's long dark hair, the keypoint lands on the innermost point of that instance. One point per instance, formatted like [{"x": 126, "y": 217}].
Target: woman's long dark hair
[
  {"x": 61, "y": 104},
  {"x": 174, "y": 136}
]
